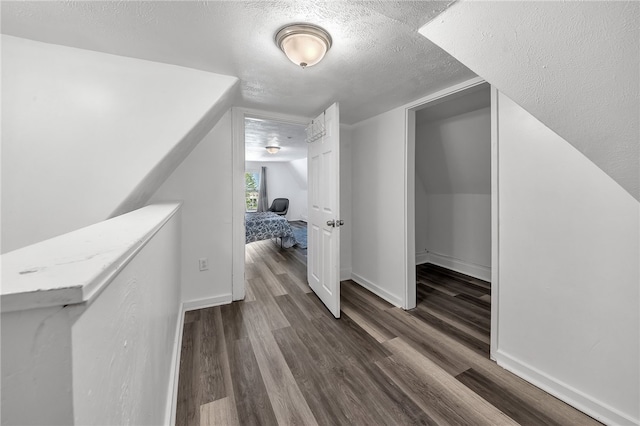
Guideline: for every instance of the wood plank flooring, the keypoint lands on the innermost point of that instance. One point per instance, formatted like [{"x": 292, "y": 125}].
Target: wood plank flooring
[{"x": 280, "y": 358}]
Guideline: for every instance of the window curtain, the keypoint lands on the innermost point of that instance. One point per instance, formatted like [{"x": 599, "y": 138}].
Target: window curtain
[{"x": 263, "y": 201}]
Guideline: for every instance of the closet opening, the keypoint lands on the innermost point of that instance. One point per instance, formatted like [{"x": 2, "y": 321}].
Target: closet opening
[{"x": 452, "y": 209}]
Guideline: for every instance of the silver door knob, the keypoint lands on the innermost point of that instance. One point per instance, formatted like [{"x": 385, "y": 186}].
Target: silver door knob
[{"x": 331, "y": 223}]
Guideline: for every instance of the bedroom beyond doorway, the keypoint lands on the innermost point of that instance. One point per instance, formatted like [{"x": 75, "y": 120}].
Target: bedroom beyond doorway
[{"x": 275, "y": 166}]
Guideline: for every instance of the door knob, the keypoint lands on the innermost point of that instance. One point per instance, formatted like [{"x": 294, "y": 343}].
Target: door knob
[{"x": 335, "y": 223}]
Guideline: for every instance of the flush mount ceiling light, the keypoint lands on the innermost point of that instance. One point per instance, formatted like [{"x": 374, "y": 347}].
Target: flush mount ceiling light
[
  {"x": 272, "y": 149},
  {"x": 304, "y": 44}
]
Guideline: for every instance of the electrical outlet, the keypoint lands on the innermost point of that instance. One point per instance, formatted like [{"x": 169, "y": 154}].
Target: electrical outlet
[{"x": 203, "y": 264}]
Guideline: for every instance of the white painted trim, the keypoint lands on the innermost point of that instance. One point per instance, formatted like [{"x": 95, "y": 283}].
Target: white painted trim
[
  {"x": 460, "y": 87},
  {"x": 495, "y": 226},
  {"x": 95, "y": 265},
  {"x": 572, "y": 396},
  {"x": 238, "y": 232},
  {"x": 455, "y": 264},
  {"x": 459, "y": 265},
  {"x": 410, "y": 293},
  {"x": 238, "y": 206},
  {"x": 345, "y": 274},
  {"x": 422, "y": 257},
  {"x": 377, "y": 290},
  {"x": 207, "y": 302},
  {"x": 172, "y": 403}
]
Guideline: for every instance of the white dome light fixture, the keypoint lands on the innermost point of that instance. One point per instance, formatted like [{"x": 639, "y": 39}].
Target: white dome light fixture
[
  {"x": 304, "y": 44},
  {"x": 272, "y": 149}
]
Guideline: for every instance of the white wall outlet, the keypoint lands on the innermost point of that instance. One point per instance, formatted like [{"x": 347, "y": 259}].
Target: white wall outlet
[{"x": 203, "y": 264}]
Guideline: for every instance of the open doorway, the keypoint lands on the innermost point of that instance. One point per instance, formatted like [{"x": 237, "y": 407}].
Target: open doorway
[
  {"x": 275, "y": 198},
  {"x": 281, "y": 173},
  {"x": 453, "y": 183},
  {"x": 323, "y": 149},
  {"x": 450, "y": 137}
]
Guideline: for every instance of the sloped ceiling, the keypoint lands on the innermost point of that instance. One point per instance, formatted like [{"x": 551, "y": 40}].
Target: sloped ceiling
[
  {"x": 453, "y": 144},
  {"x": 573, "y": 65},
  {"x": 378, "y": 60},
  {"x": 460, "y": 103},
  {"x": 87, "y": 136}
]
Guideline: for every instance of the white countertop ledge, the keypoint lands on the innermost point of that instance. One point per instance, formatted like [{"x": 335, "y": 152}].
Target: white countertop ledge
[{"x": 76, "y": 267}]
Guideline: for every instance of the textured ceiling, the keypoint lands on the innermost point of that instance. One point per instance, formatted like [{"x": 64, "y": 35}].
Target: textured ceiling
[
  {"x": 260, "y": 133},
  {"x": 378, "y": 60},
  {"x": 572, "y": 65}
]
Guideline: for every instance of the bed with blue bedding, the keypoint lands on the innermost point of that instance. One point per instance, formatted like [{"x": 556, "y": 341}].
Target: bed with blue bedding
[{"x": 268, "y": 225}]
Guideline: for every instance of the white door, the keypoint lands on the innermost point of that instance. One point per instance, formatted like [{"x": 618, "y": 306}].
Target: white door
[{"x": 323, "y": 227}]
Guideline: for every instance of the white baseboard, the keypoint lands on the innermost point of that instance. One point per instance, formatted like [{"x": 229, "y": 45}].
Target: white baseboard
[
  {"x": 458, "y": 265},
  {"x": 422, "y": 257},
  {"x": 207, "y": 302},
  {"x": 170, "y": 414},
  {"x": 345, "y": 274},
  {"x": 574, "y": 397},
  {"x": 378, "y": 291},
  {"x": 172, "y": 392}
]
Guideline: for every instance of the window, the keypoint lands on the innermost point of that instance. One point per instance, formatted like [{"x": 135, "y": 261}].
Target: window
[{"x": 251, "y": 188}]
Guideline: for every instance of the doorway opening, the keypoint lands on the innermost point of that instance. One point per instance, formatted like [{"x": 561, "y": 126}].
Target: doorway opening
[
  {"x": 285, "y": 177},
  {"x": 275, "y": 200},
  {"x": 451, "y": 217},
  {"x": 322, "y": 142}
]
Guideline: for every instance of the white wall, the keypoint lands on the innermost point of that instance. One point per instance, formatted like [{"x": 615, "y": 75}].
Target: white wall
[
  {"x": 378, "y": 244},
  {"x": 573, "y": 65},
  {"x": 203, "y": 183},
  {"x": 36, "y": 367},
  {"x": 345, "y": 202},
  {"x": 124, "y": 342},
  {"x": 86, "y": 134},
  {"x": 421, "y": 220},
  {"x": 453, "y": 155},
  {"x": 459, "y": 233},
  {"x": 453, "y": 192},
  {"x": 286, "y": 180},
  {"x": 299, "y": 170},
  {"x": 568, "y": 277}
]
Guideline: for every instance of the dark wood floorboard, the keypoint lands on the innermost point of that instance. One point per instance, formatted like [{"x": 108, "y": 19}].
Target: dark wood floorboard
[
  {"x": 279, "y": 357},
  {"x": 510, "y": 404},
  {"x": 252, "y": 399},
  {"x": 314, "y": 382},
  {"x": 186, "y": 406}
]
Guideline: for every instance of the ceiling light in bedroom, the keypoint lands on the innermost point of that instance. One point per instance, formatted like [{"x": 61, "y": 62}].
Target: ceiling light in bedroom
[
  {"x": 272, "y": 149},
  {"x": 304, "y": 44}
]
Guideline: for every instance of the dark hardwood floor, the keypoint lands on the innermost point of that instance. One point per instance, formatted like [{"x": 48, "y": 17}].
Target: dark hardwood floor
[{"x": 279, "y": 357}]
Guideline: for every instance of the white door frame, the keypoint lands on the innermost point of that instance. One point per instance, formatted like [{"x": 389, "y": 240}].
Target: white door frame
[
  {"x": 409, "y": 301},
  {"x": 238, "y": 202}
]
